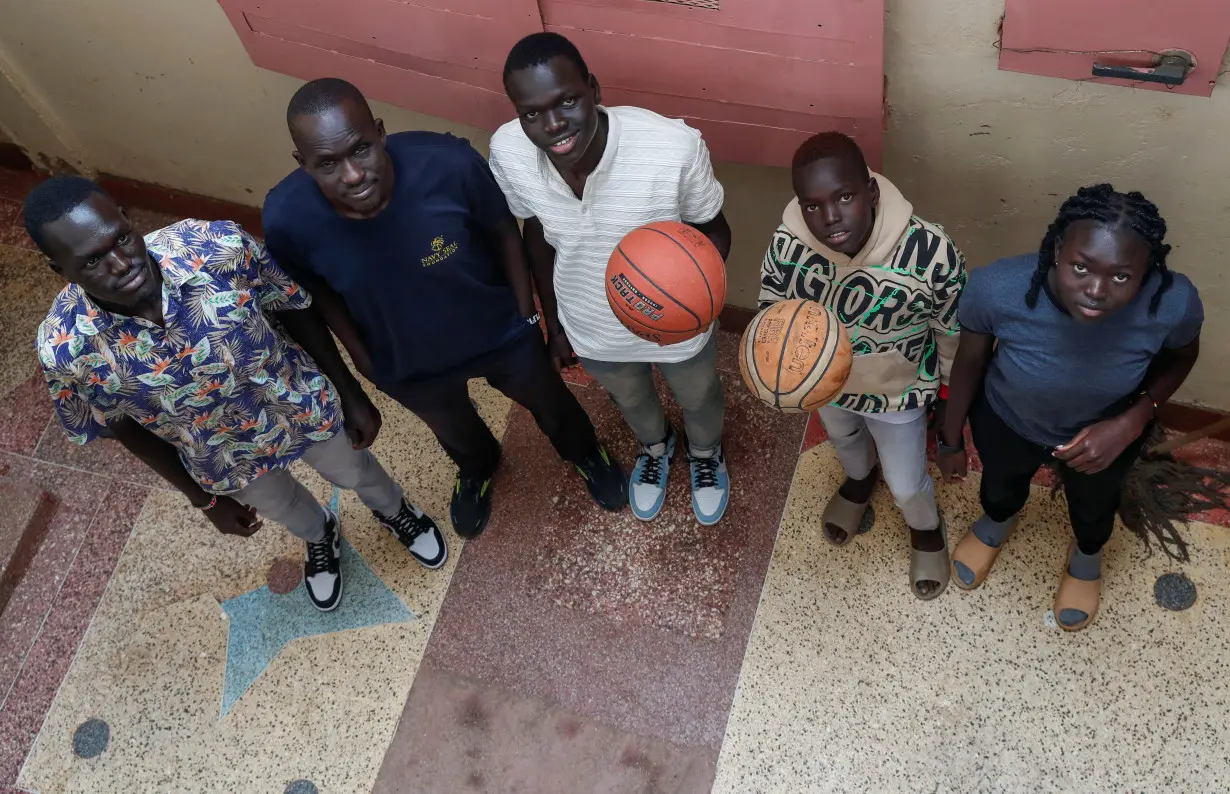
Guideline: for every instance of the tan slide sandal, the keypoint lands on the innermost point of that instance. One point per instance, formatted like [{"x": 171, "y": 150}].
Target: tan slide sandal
[
  {"x": 931, "y": 566},
  {"x": 1079, "y": 594},
  {"x": 977, "y": 556},
  {"x": 841, "y": 513}
]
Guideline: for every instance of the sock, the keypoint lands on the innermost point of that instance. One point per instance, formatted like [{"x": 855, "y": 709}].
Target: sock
[
  {"x": 659, "y": 449},
  {"x": 992, "y": 532},
  {"x": 1085, "y": 566},
  {"x": 703, "y": 453}
]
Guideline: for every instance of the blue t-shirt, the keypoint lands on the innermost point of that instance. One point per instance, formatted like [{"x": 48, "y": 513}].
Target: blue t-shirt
[
  {"x": 1050, "y": 376},
  {"x": 424, "y": 284}
]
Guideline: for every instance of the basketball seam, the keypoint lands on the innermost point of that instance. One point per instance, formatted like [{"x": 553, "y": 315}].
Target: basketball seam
[
  {"x": 781, "y": 358},
  {"x": 653, "y": 283},
  {"x": 699, "y": 269},
  {"x": 628, "y": 317},
  {"x": 830, "y": 359}
]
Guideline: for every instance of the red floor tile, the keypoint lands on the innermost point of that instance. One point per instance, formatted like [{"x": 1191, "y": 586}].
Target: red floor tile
[
  {"x": 37, "y": 679},
  {"x": 103, "y": 456},
  {"x": 483, "y": 738},
  {"x": 24, "y": 415},
  {"x": 640, "y": 627}
]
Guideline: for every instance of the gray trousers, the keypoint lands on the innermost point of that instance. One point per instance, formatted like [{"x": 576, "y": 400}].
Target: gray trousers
[
  {"x": 279, "y": 497},
  {"x": 696, "y": 387},
  {"x": 902, "y": 453}
]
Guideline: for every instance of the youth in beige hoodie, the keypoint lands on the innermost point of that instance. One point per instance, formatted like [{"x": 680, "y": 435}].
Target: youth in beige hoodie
[{"x": 897, "y": 299}]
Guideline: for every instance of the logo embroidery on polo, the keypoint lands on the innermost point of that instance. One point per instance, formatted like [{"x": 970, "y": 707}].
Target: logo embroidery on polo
[{"x": 441, "y": 251}]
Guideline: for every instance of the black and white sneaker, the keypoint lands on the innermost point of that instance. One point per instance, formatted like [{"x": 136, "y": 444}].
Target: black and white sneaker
[
  {"x": 322, "y": 571},
  {"x": 418, "y": 533}
]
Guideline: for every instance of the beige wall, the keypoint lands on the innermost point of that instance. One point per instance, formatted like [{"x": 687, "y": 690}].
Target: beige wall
[{"x": 163, "y": 91}]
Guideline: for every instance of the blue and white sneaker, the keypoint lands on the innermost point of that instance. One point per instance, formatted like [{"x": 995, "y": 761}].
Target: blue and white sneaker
[
  {"x": 648, "y": 482},
  {"x": 710, "y": 485}
]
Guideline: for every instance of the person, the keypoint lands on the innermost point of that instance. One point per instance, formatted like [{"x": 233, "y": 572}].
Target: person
[
  {"x": 1064, "y": 358},
  {"x": 849, "y": 240},
  {"x": 197, "y": 353},
  {"x": 582, "y": 176},
  {"x": 409, "y": 246}
]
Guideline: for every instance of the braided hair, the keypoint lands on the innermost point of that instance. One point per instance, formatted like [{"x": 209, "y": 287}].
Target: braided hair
[{"x": 1106, "y": 206}]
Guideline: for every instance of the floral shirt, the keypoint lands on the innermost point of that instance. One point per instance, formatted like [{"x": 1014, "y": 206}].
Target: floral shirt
[{"x": 219, "y": 380}]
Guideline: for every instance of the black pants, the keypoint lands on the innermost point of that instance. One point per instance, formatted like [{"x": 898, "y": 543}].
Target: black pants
[
  {"x": 524, "y": 373},
  {"x": 1009, "y": 463}
]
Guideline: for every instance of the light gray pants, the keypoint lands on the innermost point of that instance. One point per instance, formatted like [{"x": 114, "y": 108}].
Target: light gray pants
[
  {"x": 696, "y": 387},
  {"x": 279, "y": 497},
  {"x": 902, "y": 455}
]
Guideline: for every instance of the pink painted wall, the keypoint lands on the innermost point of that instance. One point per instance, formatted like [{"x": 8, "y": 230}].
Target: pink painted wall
[
  {"x": 756, "y": 76},
  {"x": 1033, "y": 29}
]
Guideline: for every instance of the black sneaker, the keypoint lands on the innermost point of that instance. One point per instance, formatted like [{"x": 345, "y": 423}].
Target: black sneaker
[
  {"x": 605, "y": 480},
  {"x": 418, "y": 533},
  {"x": 322, "y": 571},
  {"x": 471, "y": 507}
]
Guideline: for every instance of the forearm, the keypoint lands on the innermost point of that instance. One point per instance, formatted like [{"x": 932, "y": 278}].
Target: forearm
[
  {"x": 512, "y": 251},
  {"x": 969, "y": 366},
  {"x": 1165, "y": 375},
  {"x": 718, "y": 232},
  {"x": 308, "y": 329},
  {"x": 162, "y": 457},
  {"x": 541, "y": 258}
]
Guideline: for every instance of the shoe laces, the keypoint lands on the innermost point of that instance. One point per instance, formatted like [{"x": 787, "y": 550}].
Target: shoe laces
[
  {"x": 705, "y": 472},
  {"x": 320, "y": 553},
  {"x": 599, "y": 460},
  {"x": 651, "y": 469},
  {"x": 470, "y": 489},
  {"x": 406, "y": 524}
]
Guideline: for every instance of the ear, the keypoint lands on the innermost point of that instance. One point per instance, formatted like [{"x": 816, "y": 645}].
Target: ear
[
  {"x": 873, "y": 187},
  {"x": 596, "y": 89},
  {"x": 51, "y": 263},
  {"x": 298, "y": 158},
  {"x": 380, "y": 129}
]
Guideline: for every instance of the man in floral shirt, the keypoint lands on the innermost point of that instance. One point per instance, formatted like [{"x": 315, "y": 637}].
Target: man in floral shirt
[{"x": 209, "y": 364}]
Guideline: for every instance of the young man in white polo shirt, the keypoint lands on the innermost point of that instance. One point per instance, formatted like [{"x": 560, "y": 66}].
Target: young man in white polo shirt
[{"x": 582, "y": 176}]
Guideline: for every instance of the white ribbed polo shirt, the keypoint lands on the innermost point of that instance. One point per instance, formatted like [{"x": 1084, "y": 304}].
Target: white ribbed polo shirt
[{"x": 653, "y": 169}]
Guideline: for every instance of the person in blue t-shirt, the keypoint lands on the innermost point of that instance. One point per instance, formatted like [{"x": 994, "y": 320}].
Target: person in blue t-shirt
[
  {"x": 1065, "y": 356},
  {"x": 409, "y": 248}
]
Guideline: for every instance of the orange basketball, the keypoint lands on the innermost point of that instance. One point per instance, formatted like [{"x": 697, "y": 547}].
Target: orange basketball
[
  {"x": 795, "y": 355},
  {"x": 666, "y": 282}
]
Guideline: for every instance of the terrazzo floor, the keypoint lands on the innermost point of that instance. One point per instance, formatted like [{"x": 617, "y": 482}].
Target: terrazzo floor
[{"x": 570, "y": 650}]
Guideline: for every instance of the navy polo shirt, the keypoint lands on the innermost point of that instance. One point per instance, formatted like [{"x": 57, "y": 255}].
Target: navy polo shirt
[{"x": 424, "y": 283}]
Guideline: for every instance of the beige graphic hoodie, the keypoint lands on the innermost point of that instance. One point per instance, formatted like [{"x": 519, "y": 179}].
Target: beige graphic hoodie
[{"x": 897, "y": 299}]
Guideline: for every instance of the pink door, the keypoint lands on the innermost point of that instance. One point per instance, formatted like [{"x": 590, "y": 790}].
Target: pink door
[
  {"x": 756, "y": 76},
  {"x": 441, "y": 57}
]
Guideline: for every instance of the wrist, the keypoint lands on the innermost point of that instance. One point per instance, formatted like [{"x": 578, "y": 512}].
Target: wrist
[
  {"x": 1142, "y": 412},
  {"x": 202, "y": 500},
  {"x": 953, "y": 440}
]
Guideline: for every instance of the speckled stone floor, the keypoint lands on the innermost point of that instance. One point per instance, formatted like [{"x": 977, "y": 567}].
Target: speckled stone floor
[{"x": 570, "y": 650}]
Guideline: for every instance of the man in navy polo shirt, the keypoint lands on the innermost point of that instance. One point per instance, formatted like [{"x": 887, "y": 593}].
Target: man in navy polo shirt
[{"x": 408, "y": 246}]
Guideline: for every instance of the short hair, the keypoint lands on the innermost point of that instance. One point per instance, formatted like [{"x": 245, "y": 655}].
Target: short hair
[
  {"x": 52, "y": 200},
  {"x": 1107, "y": 207},
  {"x": 830, "y": 144},
  {"x": 322, "y": 95},
  {"x": 538, "y": 48}
]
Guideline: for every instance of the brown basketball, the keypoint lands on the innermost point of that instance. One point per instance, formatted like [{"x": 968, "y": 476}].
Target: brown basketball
[
  {"x": 795, "y": 356},
  {"x": 666, "y": 282}
]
